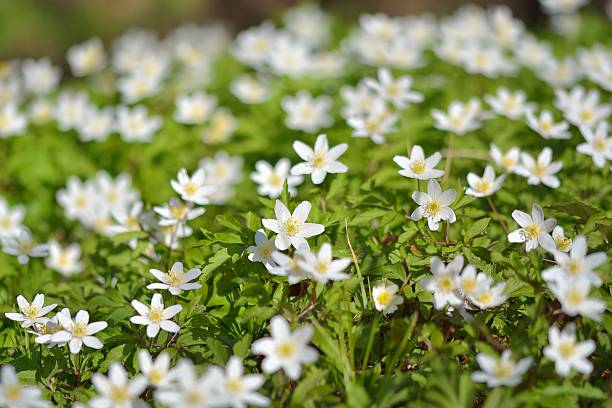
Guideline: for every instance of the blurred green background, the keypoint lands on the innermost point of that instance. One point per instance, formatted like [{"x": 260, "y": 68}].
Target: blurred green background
[{"x": 49, "y": 27}]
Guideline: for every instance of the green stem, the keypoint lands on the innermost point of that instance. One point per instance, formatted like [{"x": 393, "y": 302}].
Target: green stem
[
  {"x": 366, "y": 356},
  {"x": 404, "y": 342}
]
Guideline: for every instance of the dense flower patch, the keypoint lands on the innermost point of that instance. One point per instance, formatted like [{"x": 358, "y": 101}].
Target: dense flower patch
[{"x": 404, "y": 211}]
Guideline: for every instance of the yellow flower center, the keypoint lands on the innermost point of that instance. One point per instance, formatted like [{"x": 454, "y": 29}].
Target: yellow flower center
[
  {"x": 546, "y": 126},
  {"x": 586, "y": 115},
  {"x": 234, "y": 385},
  {"x": 155, "y": 314},
  {"x": 322, "y": 267},
  {"x": 562, "y": 242},
  {"x": 318, "y": 160},
  {"x": 179, "y": 211},
  {"x": 575, "y": 297},
  {"x": 373, "y": 125},
  {"x": 539, "y": 170},
  {"x": 417, "y": 166},
  {"x": 119, "y": 394},
  {"x": 574, "y": 266},
  {"x": 446, "y": 284},
  {"x": 79, "y": 330},
  {"x": 6, "y": 222},
  {"x": 13, "y": 392},
  {"x": 81, "y": 201},
  {"x": 456, "y": 121},
  {"x": 286, "y": 349},
  {"x": 292, "y": 226},
  {"x": 132, "y": 223},
  {"x": 532, "y": 231},
  {"x": 276, "y": 180},
  {"x": 191, "y": 188},
  {"x": 175, "y": 278},
  {"x": 567, "y": 349},
  {"x": 194, "y": 398},
  {"x": 433, "y": 207},
  {"x": 507, "y": 162},
  {"x": 503, "y": 369},
  {"x": 384, "y": 298},
  {"x": 31, "y": 311},
  {"x": 156, "y": 376},
  {"x": 64, "y": 259},
  {"x": 483, "y": 186},
  {"x": 600, "y": 144},
  {"x": 393, "y": 89},
  {"x": 469, "y": 285},
  {"x": 484, "y": 297}
]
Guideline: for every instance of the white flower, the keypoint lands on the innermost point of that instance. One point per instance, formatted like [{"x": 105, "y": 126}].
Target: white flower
[
  {"x": 468, "y": 282},
  {"x": 195, "y": 108},
  {"x": 13, "y": 394},
  {"x": 70, "y": 109},
  {"x": 487, "y": 296},
  {"x": 598, "y": 145},
  {"x": 566, "y": 352},
  {"x": 488, "y": 60},
  {"x": 576, "y": 265},
  {"x": 223, "y": 172},
  {"x": 78, "y": 331},
  {"x": 508, "y": 161},
  {"x": 535, "y": 230},
  {"x": 156, "y": 372},
  {"x": 584, "y": 109},
  {"x": 508, "y": 104},
  {"x": 322, "y": 267},
  {"x": 304, "y": 112},
  {"x": 292, "y": 229},
  {"x": 23, "y": 247},
  {"x": 135, "y": 125},
  {"x": 253, "y": 46},
  {"x": 116, "y": 390},
  {"x": 486, "y": 185},
  {"x": 541, "y": 171},
  {"x": 177, "y": 212},
  {"x": 546, "y": 126},
  {"x": 137, "y": 86},
  {"x": 87, "y": 58},
  {"x": 193, "y": 189},
  {"x": 418, "y": 166},
  {"x": 65, "y": 260},
  {"x": 573, "y": 294},
  {"x": 238, "y": 390},
  {"x": 117, "y": 194},
  {"x": 377, "y": 123},
  {"x": 31, "y": 313},
  {"x": 262, "y": 250},
  {"x": 40, "y": 111},
  {"x": 272, "y": 179},
  {"x": 45, "y": 331},
  {"x": 156, "y": 317},
  {"x": 285, "y": 349},
  {"x": 562, "y": 243},
  {"x": 39, "y": 76},
  {"x": 320, "y": 161},
  {"x": 562, "y": 6},
  {"x": 562, "y": 73},
  {"x": 396, "y": 91},
  {"x": 359, "y": 100},
  {"x": 434, "y": 205},
  {"x": 460, "y": 119},
  {"x": 11, "y": 219},
  {"x": 222, "y": 125},
  {"x": 501, "y": 371},
  {"x": 96, "y": 125},
  {"x": 300, "y": 20},
  {"x": 176, "y": 280},
  {"x": 12, "y": 122},
  {"x": 285, "y": 265},
  {"x": 289, "y": 56},
  {"x": 190, "y": 391},
  {"x": 443, "y": 283},
  {"x": 78, "y": 198},
  {"x": 386, "y": 299},
  {"x": 250, "y": 90}
]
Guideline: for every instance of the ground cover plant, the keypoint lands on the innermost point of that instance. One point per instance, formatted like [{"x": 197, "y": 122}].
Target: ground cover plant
[{"x": 397, "y": 211}]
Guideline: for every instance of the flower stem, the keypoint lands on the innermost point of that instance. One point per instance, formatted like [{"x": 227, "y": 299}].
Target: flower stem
[
  {"x": 497, "y": 215},
  {"x": 366, "y": 356},
  {"x": 449, "y": 157}
]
